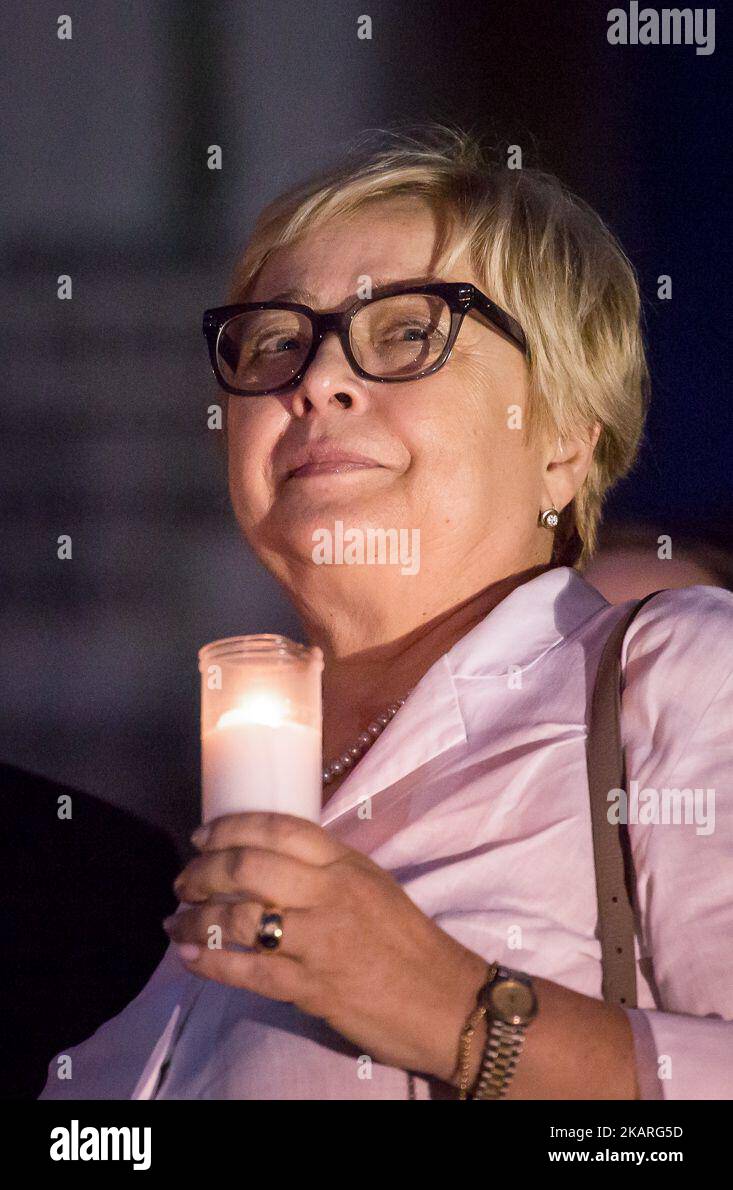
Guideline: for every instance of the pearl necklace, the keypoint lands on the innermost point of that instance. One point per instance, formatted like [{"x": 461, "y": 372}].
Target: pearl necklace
[{"x": 341, "y": 764}]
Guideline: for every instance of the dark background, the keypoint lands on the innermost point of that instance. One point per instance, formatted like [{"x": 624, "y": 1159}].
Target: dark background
[{"x": 103, "y": 415}]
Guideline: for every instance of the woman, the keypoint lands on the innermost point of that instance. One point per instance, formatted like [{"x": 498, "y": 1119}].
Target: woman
[{"x": 491, "y": 411}]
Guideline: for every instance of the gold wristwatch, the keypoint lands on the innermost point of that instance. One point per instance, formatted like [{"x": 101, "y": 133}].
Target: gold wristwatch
[{"x": 510, "y": 1003}]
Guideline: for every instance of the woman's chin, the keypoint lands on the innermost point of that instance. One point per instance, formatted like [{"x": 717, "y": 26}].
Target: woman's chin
[
  {"x": 302, "y": 531},
  {"x": 318, "y": 500},
  {"x": 320, "y": 534}
]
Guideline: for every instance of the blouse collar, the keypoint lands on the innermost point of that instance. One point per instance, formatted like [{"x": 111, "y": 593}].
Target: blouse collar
[{"x": 534, "y": 618}]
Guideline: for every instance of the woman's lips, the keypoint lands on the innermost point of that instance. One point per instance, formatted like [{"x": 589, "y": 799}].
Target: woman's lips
[
  {"x": 332, "y": 467},
  {"x": 326, "y": 458}
]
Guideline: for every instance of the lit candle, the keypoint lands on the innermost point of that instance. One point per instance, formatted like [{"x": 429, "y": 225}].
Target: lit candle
[
  {"x": 254, "y": 764},
  {"x": 261, "y": 727}
]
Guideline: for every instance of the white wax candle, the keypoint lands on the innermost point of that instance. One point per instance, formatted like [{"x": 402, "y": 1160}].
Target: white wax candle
[{"x": 271, "y": 765}]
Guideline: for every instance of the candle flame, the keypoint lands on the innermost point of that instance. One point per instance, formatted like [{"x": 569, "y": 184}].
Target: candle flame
[{"x": 264, "y": 708}]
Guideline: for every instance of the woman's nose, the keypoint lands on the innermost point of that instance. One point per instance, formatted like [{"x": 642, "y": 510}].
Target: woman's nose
[{"x": 329, "y": 380}]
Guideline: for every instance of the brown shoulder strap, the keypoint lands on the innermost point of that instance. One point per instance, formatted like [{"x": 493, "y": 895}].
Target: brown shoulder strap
[{"x": 611, "y": 850}]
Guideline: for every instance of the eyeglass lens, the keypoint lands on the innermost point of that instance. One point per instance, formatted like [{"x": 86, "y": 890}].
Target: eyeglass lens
[{"x": 391, "y": 337}]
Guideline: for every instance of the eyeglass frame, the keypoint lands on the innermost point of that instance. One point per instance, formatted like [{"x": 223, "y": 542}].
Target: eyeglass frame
[{"x": 459, "y": 296}]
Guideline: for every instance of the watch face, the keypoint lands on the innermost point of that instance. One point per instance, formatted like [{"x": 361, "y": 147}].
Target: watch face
[{"x": 513, "y": 1001}]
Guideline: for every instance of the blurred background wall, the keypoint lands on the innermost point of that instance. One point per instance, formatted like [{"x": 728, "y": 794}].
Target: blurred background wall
[{"x": 103, "y": 416}]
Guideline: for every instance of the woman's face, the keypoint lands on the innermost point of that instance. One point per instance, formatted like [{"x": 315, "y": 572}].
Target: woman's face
[{"x": 448, "y": 456}]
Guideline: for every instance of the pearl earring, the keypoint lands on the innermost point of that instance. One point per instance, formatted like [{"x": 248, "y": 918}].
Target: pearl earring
[{"x": 550, "y": 518}]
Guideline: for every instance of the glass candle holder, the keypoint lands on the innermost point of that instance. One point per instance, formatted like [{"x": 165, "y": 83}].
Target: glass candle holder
[{"x": 261, "y": 727}]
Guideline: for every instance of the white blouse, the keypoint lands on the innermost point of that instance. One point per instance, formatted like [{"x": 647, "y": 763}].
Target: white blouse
[{"x": 475, "y": 798}]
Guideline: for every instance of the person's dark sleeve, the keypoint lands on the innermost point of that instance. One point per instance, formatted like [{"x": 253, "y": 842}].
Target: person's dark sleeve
[{"x": 81, "y": 905}]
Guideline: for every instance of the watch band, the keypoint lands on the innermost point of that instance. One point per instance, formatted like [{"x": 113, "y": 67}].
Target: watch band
[{"x": 503, "y": 1047}]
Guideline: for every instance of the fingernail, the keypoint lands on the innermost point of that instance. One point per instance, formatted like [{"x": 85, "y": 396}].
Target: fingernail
[
  {"x": 188, "y": 952},
  {"x": 200, "y": 835}
]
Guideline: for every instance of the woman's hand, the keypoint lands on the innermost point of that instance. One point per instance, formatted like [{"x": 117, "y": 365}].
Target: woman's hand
[{"x": 355, "y": 950}]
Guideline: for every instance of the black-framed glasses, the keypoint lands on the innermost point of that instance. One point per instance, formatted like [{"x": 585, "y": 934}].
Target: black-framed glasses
[{"x": 402, "y": 332}]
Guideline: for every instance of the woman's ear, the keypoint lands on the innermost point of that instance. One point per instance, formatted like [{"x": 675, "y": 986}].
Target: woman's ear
[{"x": 566, "y": 467}]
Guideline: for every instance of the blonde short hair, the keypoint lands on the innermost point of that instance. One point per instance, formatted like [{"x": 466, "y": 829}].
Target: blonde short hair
[{"x": 540, "y": 252}]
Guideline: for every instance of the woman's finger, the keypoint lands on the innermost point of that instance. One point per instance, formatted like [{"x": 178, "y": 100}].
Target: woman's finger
[
  {"x": 264, "y": 876},
  {"x": 217, "y": 925},
  {"x": 284, "y": 833},
  {"x": 274, "y": 976}
]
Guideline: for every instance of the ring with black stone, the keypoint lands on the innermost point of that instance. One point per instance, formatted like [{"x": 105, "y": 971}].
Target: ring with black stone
[{"x": 270, "y": 930}]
